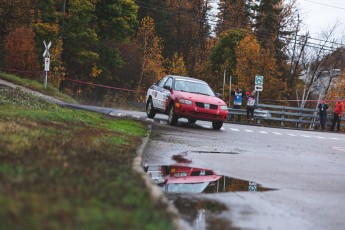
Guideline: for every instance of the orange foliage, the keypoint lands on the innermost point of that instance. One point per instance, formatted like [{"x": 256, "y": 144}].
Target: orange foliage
[
  {"x": 150, "y": 49},
  {"x": 21, "y": 56},
  {"x": 251, "y": 61},
  {"x": 337, "y": 88}
]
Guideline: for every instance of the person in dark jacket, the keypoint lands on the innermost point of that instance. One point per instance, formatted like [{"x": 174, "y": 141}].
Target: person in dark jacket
[{"x": 323, "y": 113}]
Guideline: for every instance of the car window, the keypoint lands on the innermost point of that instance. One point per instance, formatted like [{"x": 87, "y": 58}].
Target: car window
[
  {"x": 180, "y": 85},
  {"x": 162, "y": 81},
  {"x": 169, "y": 82},
  {"x": 193, "y": 87}
]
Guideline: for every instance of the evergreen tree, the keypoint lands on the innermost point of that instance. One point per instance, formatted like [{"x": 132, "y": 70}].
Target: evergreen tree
[{"x": 232, "y": 14}]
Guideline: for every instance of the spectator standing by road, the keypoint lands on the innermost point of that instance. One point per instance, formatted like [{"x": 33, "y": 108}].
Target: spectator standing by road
[
  {"x": 238, "y": 98},
  {"x": 251, "y": 103},
  {"x": 323, "y": 113},
  {"x": 337, "y": 113}
]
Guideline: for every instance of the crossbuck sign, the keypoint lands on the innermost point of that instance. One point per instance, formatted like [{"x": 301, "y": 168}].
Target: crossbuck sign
[
  {"x": 46, "y": 51},
  {"x": 46, "y": 56}
]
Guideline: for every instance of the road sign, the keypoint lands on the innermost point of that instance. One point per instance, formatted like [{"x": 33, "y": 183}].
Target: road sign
[
  {"x": 46, "y": 52},
  {"x": 252, "y": 186},
  {"x": 258, "y": 87},
  {"x": 46, "y": 63},
  {"x": 259, "y": 80}
]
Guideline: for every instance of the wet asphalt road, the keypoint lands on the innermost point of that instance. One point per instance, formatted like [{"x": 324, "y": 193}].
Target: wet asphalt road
[{"x": 307, "y": 169}]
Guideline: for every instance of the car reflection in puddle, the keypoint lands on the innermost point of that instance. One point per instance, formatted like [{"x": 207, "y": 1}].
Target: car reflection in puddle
[{"x": 179, "y": 182}]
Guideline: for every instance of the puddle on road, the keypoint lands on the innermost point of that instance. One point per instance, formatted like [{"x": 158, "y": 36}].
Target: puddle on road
[{"x": 182, "y": 183}]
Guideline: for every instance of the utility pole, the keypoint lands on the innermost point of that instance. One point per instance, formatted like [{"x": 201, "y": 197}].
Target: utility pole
[{"x": 224, "y": 82}]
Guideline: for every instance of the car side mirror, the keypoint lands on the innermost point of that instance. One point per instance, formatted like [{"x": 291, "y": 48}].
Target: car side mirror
[{"x": 167, "y": 87}]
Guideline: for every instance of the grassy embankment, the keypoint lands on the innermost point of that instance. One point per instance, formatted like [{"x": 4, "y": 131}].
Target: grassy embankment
[{"x": 70, "y": 169}]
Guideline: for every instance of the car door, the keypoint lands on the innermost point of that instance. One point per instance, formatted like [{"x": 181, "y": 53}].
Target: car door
[
  {"x": 157, "y": 93},
  {"x": 164, "y": 96}
]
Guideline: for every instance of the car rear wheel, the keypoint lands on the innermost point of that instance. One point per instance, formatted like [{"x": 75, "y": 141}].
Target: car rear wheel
[
  {"x": 191, "y": 121},
  {"x": 217, "y": 125},
  {"x": 172, "y": 119},
  {"x": 150, "y": 112}
]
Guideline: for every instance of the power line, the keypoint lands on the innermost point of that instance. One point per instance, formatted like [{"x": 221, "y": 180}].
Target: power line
[
  {"x": 319, "y": 3},
  {"x": 163, "y": 10}
]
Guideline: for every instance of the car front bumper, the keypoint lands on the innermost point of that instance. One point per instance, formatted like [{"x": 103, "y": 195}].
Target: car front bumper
[{"x": 197, "y": 113}]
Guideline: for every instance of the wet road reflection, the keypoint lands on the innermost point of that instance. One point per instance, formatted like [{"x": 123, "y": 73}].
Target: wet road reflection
[
  {"x": 181, "y": 184},
  {"x": 185, "y": 179}
]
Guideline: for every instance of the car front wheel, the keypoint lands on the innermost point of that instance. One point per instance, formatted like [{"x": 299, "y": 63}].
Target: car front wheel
[
  {"x": 150, "y": 112},
  {"x": 172, "y": 119},
  {"x": 217, "y": 125}
]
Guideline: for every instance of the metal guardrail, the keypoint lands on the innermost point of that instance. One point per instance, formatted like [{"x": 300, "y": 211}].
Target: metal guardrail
[{"x": 282, "y": 116}]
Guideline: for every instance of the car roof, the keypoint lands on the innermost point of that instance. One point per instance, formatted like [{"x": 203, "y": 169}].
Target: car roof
[{"x": 176, "y": 77}]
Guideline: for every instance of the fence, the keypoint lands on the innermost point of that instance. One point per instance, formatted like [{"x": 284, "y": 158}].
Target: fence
[{"x": 282, "y": 116}]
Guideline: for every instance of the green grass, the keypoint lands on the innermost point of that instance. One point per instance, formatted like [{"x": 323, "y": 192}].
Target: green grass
[
  {"x": 37, "y": 86},
  {"x": 70, "y": 169}
]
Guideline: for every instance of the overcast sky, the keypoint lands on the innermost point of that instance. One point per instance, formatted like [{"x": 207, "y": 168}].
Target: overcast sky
[{"x": 320, "y": 15}]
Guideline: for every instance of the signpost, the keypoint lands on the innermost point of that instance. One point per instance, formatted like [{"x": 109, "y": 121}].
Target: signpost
[
  {"x": 259, "y": 85},
  {"x": 46, "y": 56}
]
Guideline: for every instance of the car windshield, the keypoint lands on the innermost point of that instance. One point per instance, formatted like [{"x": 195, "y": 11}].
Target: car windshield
[
  {"x": 187, "y": 188},
  {"x": 193, "y": 87}
]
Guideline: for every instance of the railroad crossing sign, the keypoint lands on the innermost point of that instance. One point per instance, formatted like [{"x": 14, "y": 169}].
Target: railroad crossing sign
[
  {"x": 46, "y": 56},
  {"x": 46, "y": 64},
  {"x": 46, "y": 52},
  {"x": 259, "y": 82}
]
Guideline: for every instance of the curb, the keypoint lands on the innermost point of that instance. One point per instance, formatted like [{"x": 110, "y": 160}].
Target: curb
[{"x": 155, "y": 192}]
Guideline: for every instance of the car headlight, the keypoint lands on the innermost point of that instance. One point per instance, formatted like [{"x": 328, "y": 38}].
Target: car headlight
[
  {"x": 223, "y": 107},
  {"x": 184, "y": 101}
]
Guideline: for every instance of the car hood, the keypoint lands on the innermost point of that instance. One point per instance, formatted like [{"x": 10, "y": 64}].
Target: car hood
[{"x": 201, "y": 98}]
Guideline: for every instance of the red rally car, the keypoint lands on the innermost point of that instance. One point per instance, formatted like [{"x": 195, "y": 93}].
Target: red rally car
[{"x": 185, "y": 97}]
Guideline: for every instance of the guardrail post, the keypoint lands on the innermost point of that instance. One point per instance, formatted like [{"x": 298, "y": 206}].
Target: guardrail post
[
  {"x": 299, "y": 123},
  {"x": 282, "y": 117}
]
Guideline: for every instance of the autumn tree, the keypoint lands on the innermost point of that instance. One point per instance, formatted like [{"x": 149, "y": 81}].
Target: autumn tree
[
  {"x": 45, "y": 23},
  {"x": 150, "y": 50},
  {"x": 253, "y": 60},
  {"x": 13, "y": 14},
  {"x": 337, "y": 88},
  {"x": 317, "y": 66},
  {"x": 176, "y": 66},
  {"x": 21, "y": 56},
  {"x": 223, "y": 56}
]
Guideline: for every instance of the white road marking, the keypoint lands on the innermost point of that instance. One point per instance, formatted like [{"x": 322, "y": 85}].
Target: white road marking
[
  {"x": 277, "y": 133},
  {"x": 249, "y": 131},
  {"x": 236, "y": 130},
  {"x": 340, "y": 148},
  {"x": 264, "y": 132},
  {"x": 335, "y": 138},
  {"x": 136, "y": 117},
  {"x": 320, "y": 137},
  {"x": 206, "y": 126},
  {"x": 305, "y": 136},
  {"x": 149, "y": 119},
  {"x": 292, "y": 135}
]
